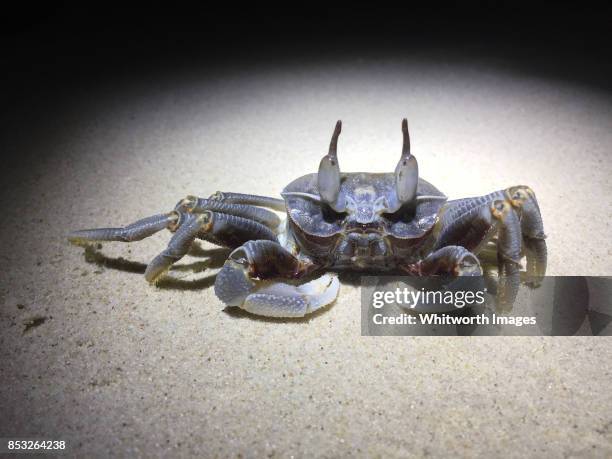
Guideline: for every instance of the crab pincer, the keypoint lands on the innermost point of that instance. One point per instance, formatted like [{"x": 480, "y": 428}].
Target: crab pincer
[{"x": 262, "y": 278}]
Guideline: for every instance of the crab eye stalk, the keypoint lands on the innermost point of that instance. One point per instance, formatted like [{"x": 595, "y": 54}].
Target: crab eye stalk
[
  {"x": 329, "y": 172},
  {"x": 406, "y": 171}
]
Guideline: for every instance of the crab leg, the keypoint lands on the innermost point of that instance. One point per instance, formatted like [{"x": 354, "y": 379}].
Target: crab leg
[
  {"x": 510, "y": 218},
  {"x": 257, "y": 277},
  {"x": 188, "y": 229},
  {"x": 508, "y": 252},
  {"x": 535, "y": 251},
  {"x": 196, "y": 205},
  {"x": 221, "y": 229},
  {"x": 451, "y": 259},
  {"x": 251, "y": 199},
  {"x": 132, "y": 232},
  {"x": 523, "y": 199},
  {"x": 232, "y": 231}
]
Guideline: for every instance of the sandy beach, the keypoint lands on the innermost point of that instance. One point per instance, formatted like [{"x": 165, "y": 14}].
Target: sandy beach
[{"x": 94, "y": 355}]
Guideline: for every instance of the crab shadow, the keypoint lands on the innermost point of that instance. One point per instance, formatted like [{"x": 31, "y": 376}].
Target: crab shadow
[
  {"x": 237, "y": 313},
  {"x": 214, "y": 259}
]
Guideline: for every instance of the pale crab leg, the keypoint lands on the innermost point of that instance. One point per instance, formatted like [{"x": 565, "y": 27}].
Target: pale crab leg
[
  {"x": 222, "y": 229},
  {"x": 132, "y": 232},
  {"x": 251, "y": 199},
  {"x": 188, "y": 229},
  {"x": 500, "y": 217},
  {"x": 193, "y": 204},
  {"x": 232, "y": 231},
  {"x": 452, "y": 259},
  {"x": 508, "y": 252},
  {"x": 467, "y": 222},
  {"x": 524, "y": 201},
  {"x": 259, "y": 277}
]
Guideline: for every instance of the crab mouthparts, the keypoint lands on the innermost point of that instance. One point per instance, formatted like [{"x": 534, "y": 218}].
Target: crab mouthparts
[{"x": 363, "y": 228}]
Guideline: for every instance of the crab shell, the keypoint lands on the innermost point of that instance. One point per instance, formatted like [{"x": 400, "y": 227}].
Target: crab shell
[{"x": 319, "y": 231}]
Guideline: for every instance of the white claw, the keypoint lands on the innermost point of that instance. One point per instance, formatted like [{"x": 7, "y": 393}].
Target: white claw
[
  {"x": 321, "y": 291},
  {"x": 280, "y": 299}
]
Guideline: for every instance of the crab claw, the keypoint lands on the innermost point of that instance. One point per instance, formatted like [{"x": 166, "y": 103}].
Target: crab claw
[{"x": 272, "y": 297}]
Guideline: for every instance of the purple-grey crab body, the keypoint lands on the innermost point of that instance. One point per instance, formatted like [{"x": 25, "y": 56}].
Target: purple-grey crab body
[
  {"x": 338, "y": 221},
  {"x": 367, "y": 234}
]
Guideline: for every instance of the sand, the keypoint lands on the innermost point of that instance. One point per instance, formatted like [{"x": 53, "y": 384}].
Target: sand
[{"x": 119, "y": 368}]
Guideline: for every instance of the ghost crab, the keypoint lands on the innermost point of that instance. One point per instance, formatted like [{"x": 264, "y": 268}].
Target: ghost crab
[{"x": 338, "y": 221}]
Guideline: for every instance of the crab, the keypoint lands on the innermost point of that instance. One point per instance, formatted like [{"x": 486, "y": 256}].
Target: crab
[{"x": 334, "y": 221}]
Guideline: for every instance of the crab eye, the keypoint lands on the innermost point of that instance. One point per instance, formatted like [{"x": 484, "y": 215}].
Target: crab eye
[
  {"x": 329, "y": 173},
  {"x": 406, "y": 171}
]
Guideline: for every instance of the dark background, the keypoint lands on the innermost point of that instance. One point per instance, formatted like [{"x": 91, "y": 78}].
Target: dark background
[
  {"x": 71, "y": 44},
  {"x": 49, "y": 51}
]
